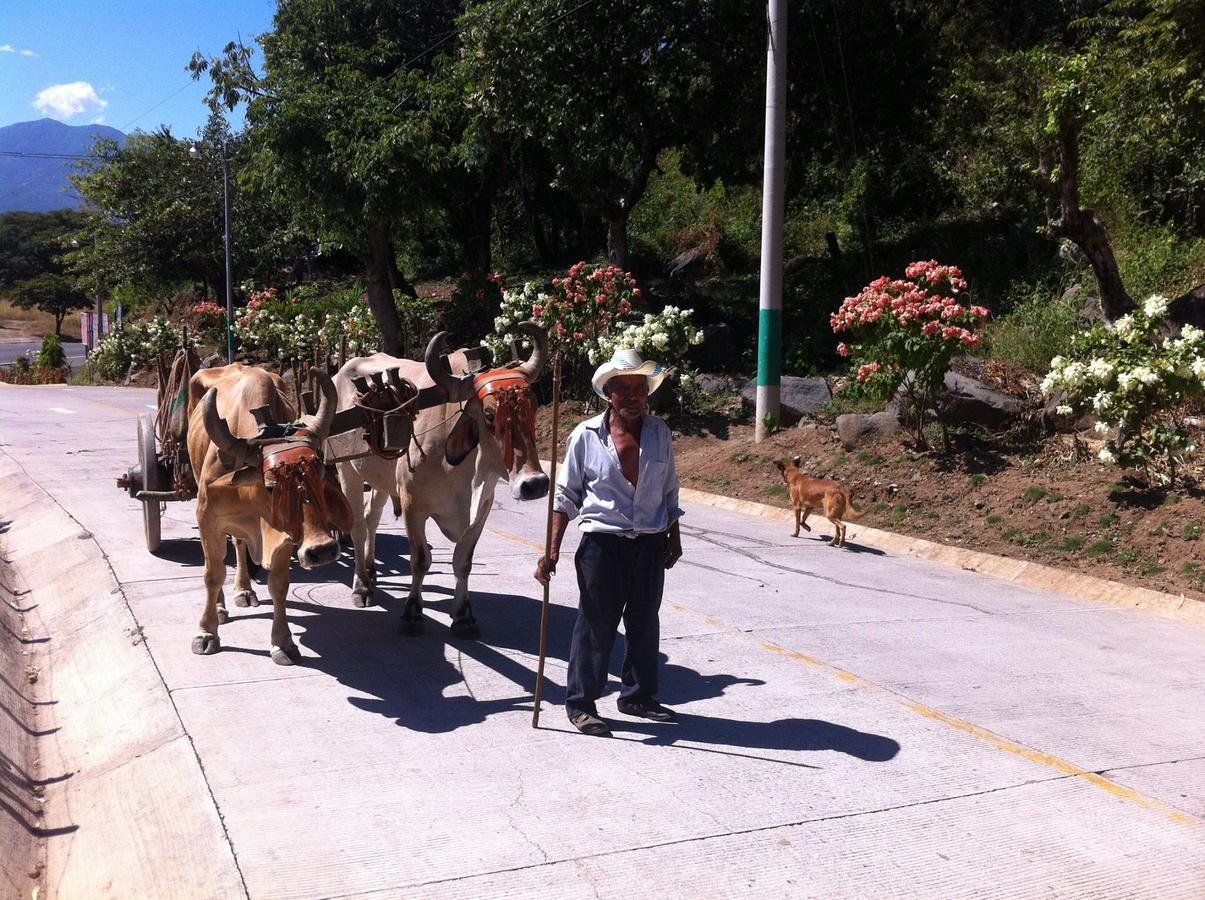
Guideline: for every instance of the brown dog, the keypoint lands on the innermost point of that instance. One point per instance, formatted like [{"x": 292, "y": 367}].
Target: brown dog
[{"x": 832, "y": 497}]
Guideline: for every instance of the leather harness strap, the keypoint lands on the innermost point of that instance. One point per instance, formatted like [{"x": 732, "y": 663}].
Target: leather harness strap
[{"x": 514, "y": 401}]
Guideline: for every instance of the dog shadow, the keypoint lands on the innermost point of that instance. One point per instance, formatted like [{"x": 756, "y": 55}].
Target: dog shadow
[{"x": 851, "y": 546}]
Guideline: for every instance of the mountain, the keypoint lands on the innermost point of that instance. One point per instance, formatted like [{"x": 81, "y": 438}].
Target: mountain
[{"x": 33, "y": 174}]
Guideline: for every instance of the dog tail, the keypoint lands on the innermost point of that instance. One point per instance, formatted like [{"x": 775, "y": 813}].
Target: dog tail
[{"x": 850, "y": 513}]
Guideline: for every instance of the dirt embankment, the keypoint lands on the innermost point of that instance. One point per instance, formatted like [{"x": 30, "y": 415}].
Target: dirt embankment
[{"x": 1027, "y": 496}]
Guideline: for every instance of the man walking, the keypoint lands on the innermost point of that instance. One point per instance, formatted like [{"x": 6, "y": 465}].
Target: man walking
[{"x": 619, "y": 475}]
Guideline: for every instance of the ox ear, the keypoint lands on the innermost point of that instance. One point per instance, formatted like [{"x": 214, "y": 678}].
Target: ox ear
[
  {"x": 239, "y": 477},
  {"x": 462, "y": 441},
  {"x": 337, "y": 506}
]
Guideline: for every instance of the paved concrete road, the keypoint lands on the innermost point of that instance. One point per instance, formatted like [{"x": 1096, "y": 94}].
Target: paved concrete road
[
  {"x": 852, "y": 724},
  {"x": 10, "y": 350}
]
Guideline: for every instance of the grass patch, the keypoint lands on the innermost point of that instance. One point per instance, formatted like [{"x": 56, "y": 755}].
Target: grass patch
[
  {"x": 778, "y": 490},
  {"x": 1191, "y": 569},
  {"x": 1098, "y": 547},
  {"x": 1072, "y": 543},
  {"x": 1149, "y": 568},
  {"x": 879, "y": 507},
  {"x": 1191, "y": 531},
  {"x": 837, "y": 461},
  {"x": 1081, "y": 510},
  {"x": 977, "y": 479},
  {"x": 1127, "y": 555},
  {"x": 899, "y": 512},
  {"x": 1107, "y": 519},
  {"x": 994, "y": 519},
  {"x": 741, "y": 456},
  {"x": 1033, "y": 494},
  {"x": 1171, "y": 499}
]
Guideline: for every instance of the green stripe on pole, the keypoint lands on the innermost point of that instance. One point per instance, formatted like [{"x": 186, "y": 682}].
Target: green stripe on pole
[{"x": 769, "y": 347}]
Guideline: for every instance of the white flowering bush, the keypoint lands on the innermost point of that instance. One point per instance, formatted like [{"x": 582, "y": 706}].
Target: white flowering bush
[
  {"x": 1136, "y": 383},
  {"x": 137, "y": 345},
  {"x": 665, "y": 336},
  {"x": 356, "y": 324},
  {"x": 588, "y": 315}
]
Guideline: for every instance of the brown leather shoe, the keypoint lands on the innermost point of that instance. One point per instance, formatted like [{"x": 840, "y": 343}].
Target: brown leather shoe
[
  {"x": 588, "y": 723},
  {"x": 650, "y": 709}
]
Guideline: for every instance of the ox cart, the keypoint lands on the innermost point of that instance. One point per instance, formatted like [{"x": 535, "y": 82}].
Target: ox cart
[{"x": 384, "y": 409}]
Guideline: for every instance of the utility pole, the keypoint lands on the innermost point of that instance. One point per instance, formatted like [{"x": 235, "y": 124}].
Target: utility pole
[
  {"x": 229, "y": 269},
  {"x": 769, "y": 328}
]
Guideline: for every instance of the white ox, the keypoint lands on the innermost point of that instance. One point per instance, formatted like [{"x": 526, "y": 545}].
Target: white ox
[{"x": 464, "y": 452}]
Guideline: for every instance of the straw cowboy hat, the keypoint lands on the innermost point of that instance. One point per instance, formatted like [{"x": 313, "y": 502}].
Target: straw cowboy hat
[{"x": 628, "y": 362}]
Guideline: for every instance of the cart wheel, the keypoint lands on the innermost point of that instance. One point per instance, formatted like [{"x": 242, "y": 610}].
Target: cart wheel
[{"x": 150, "y": 480}]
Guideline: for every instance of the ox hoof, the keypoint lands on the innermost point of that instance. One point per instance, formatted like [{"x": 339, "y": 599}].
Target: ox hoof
[
  {"x": 206, "y": 644},
  {"x": 412, "y": 626},
  {"x": 361, "y": 597},
  {"x": 286, "y": 656},
  {"x": 246, "y": 598},
  {"x": 223, "y": 616},
  {"x": 466, "y": 628}
]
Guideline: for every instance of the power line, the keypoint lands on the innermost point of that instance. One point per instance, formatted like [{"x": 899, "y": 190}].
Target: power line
[
  {"x": 157, "y": 105},
  {"x": 24, "y": 154}
]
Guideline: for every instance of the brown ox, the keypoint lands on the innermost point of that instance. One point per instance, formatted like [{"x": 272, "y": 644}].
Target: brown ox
[
  {"x": 270, "y": 494},
  {"x": 464, "y": 452}
]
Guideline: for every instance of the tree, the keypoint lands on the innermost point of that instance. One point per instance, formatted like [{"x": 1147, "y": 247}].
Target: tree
[
  {"x": 603, "y": 88},
  {"x": 339, "y": 122},
  {"x": 157, "y": 218},
  {"x": 51, "y": 292},
  {"x": 31, "y": 244}
]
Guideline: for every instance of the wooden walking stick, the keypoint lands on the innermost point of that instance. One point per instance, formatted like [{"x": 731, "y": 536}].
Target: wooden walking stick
[{"x": 556, "y": 449}]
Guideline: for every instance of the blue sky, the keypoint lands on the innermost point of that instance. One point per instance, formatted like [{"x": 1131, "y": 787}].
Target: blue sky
[{"x": 119, "y": 62}]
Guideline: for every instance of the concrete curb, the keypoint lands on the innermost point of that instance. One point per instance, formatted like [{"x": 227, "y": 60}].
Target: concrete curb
[
  {"x": 122, "y": 808},
  {"x": 1087, "y": 587}
]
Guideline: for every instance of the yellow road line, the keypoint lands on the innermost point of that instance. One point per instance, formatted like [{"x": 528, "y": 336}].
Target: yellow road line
[
  {"x": 1002, "y": 743},
  {"x": 514, "y": 538}
]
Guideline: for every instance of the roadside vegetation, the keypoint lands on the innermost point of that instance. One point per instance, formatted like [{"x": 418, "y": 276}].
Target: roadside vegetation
[{"x": 1019, "y": 197}]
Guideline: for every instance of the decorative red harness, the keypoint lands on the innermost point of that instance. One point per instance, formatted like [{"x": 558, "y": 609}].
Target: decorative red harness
[
  {"x": 295, "y": 475},
  {"x": 514, "y": 400}
]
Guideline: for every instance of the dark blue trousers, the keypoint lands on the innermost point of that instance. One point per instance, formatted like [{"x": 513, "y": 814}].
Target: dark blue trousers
[{"x": 618, "y": 578}]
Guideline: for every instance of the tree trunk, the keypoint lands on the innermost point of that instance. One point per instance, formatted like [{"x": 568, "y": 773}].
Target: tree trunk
[
  {"x": 538, "y": 236},
  {"x": 472, "y": 223},
  {"x": 1081, "y": 226},
  {"x": 397, "y": 280},
  {"x": 58, "y": 323},
  {"x": 617, "y": 239},
  {"x": 380, "y": 286}
]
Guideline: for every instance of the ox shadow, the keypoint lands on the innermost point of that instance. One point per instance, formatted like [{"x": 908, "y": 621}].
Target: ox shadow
[{"x": 409, "y": 679}]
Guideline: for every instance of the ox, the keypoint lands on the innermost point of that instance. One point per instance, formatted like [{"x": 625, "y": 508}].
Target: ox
[
  {"x": 485, "y": 432},
  {"x": 264, "y": 484}
]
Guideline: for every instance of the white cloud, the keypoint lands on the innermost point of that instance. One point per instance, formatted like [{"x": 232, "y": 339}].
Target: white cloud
[
  {"x": 99, "y": 120},
  {"x": 9, "y": 48},
  {"x": 69, "y": 100},
  {"x": 29, "y": 53}
]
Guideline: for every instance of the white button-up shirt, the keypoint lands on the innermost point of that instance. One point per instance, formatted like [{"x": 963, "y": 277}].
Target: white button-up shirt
[{"x": 592, "y": 484}]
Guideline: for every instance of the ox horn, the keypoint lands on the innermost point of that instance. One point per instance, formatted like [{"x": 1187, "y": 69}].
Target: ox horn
[
  {"x": 328, "y": 402},
  {"x": 217, "y": 429},
  {"x": 534, "y": 367},
  {"x": 455, "y": 389}
]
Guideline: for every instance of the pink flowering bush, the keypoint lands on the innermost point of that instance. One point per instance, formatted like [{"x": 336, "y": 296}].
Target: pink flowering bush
[
  {"x": 208, "y": 320},
  {"x": 913, "y": 324},
  {"x": 584, "y": 306}
]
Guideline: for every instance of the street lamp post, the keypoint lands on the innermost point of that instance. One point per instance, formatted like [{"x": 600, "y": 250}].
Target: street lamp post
[{"x": 195, "y": 154}]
